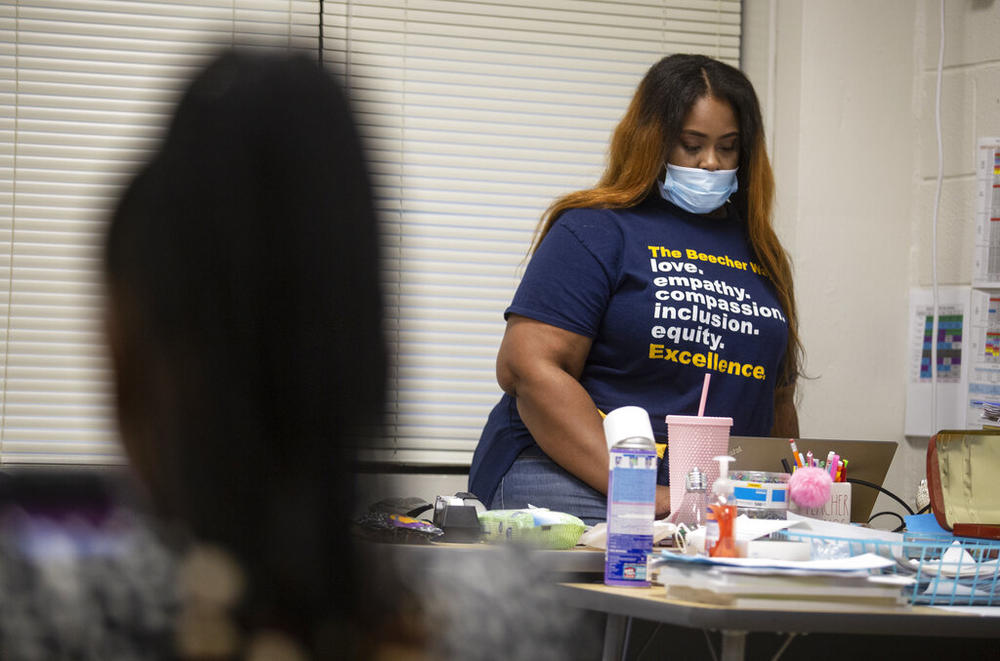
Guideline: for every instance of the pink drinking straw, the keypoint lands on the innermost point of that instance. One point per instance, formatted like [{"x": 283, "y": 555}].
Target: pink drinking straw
[{"x": 704, "y": 395}]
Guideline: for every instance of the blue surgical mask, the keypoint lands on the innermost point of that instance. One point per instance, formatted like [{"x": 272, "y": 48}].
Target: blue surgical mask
[{"x": 697, "y": 190}]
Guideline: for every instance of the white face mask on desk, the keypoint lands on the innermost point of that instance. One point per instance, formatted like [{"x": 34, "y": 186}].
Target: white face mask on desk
[{"x": 697, "y": 190}]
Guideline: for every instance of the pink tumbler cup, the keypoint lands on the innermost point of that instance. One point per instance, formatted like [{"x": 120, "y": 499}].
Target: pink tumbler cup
[{"x": 693, "y": 441}]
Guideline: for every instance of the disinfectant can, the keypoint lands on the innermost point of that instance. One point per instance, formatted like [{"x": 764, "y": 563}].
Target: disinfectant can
[{"x": 631, "y": 496}]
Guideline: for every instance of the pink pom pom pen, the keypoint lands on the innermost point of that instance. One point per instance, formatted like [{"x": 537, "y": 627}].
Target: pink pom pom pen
[{"x": 809, "y": 487}]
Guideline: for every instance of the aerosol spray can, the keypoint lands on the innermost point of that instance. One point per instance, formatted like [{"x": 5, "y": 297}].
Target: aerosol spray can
[{"x": 631, "y": 496}]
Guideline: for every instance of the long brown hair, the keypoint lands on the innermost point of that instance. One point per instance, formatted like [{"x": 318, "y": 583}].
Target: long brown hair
[{"x": 654, "y": 119}]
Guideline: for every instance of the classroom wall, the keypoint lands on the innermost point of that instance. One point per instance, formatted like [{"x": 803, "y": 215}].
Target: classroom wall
[
  {"x": 970, "y": 109},
  {"x": 848, "y": 88},
  {"x": 373, "y": 487}
]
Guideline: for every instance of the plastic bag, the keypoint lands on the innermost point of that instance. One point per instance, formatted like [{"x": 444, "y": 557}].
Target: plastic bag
[{"x": 537, "y": 527}]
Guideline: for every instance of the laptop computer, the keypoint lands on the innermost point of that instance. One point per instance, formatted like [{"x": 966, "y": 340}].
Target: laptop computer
[{"x": 867, "y": 460}]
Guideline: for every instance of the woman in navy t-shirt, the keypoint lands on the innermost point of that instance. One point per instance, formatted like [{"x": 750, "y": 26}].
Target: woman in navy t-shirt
[{"x": 669, "y": 268}]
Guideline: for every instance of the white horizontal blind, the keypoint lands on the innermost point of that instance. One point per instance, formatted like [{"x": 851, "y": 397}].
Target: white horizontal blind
[
  {"x": 86, "y": 87},
  {"x": 478, "y": 114}
]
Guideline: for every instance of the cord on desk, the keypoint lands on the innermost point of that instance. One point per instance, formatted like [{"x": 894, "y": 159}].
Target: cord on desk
[
  {"x": 909, "y": 510},
  {"x": 854, "y": 480},
  {"x": 902, "y": 522}
]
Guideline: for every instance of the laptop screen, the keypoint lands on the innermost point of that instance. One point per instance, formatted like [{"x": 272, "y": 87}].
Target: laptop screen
[{"x": 866, "y": 460}]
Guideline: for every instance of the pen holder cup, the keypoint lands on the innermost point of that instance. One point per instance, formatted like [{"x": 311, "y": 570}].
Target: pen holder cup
[
  {"x": 837, "y": 507},
  {"x": 694, "y": 441}
]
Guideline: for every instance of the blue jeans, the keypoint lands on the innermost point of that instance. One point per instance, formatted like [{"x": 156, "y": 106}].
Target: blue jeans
[{"x": 534, "y": 478}]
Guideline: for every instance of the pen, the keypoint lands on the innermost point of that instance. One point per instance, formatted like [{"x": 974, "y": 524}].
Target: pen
[
  {"x": 809, "y": 459},
  {"x": 795, "y": 452},
  {"x": 784, "y": 463}
]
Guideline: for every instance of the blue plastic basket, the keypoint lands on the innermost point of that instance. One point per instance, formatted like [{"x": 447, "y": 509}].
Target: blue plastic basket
[{"x": 948, "y": 571}]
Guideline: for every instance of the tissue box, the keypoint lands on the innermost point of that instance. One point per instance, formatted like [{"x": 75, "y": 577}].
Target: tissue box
[{"x": 838, "y": 508}]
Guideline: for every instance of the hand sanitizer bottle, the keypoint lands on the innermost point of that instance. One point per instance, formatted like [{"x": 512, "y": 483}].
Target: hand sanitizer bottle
[
  {"x": 720, "y": 540},
  {"x": 631, "y": 496},
  {"x": 692, "y": 508}
]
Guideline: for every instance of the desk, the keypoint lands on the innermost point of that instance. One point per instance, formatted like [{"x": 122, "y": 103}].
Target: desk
[
  {"x": 734, "y": 623},
  {"x": 577, "y": 563}
]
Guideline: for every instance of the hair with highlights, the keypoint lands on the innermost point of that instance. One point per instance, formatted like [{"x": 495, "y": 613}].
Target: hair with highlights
[{"x": 648, "y": 131}]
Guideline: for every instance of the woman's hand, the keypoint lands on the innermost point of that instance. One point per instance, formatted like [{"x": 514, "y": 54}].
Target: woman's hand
[
  {"x": 540, "y": 365},
  {"x": 662, "y": 501}
]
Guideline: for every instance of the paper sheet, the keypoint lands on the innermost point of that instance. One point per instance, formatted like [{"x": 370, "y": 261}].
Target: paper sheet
[
  {"x": 812, "y": 526},
  {"x": 747, "y": 529},
  {"x": 857, "y": 563},
  {"x": 982, "y": 611},
  {"x": 951, "y": 373}
]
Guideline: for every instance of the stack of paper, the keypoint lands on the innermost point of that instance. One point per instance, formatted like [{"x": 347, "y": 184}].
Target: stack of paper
[{"x": 754, "y": 583}]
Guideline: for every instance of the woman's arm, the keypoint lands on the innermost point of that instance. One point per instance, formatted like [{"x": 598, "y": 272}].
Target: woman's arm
[
  {"x": 540, "y": 365},
  {"x": 786, "y": 420}
]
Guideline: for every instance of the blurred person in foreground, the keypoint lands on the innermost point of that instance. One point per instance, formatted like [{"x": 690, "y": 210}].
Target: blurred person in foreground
[{"x": 244, "y": 322}]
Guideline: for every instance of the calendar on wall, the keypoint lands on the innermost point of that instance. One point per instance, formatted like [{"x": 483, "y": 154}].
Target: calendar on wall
[
  {"x": 983, "y": 375},
  {"x": 966, "y": 346},
  {"x": 986, "y": 261},
  {"x": 948, "y": 349}
]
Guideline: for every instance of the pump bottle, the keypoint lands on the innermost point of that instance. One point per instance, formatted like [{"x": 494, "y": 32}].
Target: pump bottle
[
  {"x": 691, "y": 511},
  {"x": 720, "y": 540}
]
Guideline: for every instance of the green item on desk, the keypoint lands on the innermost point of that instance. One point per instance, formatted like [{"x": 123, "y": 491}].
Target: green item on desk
[{"x": 537, "y": 527}]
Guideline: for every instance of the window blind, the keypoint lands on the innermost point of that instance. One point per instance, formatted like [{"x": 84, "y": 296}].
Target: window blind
[
  {"x": 86, "y": 87},
  {"x": 476, "y": 116}
]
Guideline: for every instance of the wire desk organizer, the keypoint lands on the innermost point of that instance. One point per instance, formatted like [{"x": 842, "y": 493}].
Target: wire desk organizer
[{"x": 948, "y": 571}]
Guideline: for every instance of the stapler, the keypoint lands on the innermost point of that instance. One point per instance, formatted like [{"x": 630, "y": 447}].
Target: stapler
[{"x": 458, "y": 517}]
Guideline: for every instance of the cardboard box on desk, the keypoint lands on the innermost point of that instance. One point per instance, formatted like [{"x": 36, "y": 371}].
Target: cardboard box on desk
[{"x": 837, "y": 508}]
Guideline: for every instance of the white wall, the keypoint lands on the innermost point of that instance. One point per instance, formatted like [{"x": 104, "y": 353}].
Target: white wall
[
  {"x": 970, "y": 108},
  {"x": 373, "y": 487},
  {"x": 848, "y": 88},
  {"x": 848, "y": 93}
]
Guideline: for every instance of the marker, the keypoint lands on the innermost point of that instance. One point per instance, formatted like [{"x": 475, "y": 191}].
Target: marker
[
  {"x": 809, "y": 459},
  {"x": 832, "y": 463}
]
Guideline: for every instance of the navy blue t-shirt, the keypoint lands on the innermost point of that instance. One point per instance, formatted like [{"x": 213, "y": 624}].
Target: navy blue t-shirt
[{"x": 666, "y": 296}]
